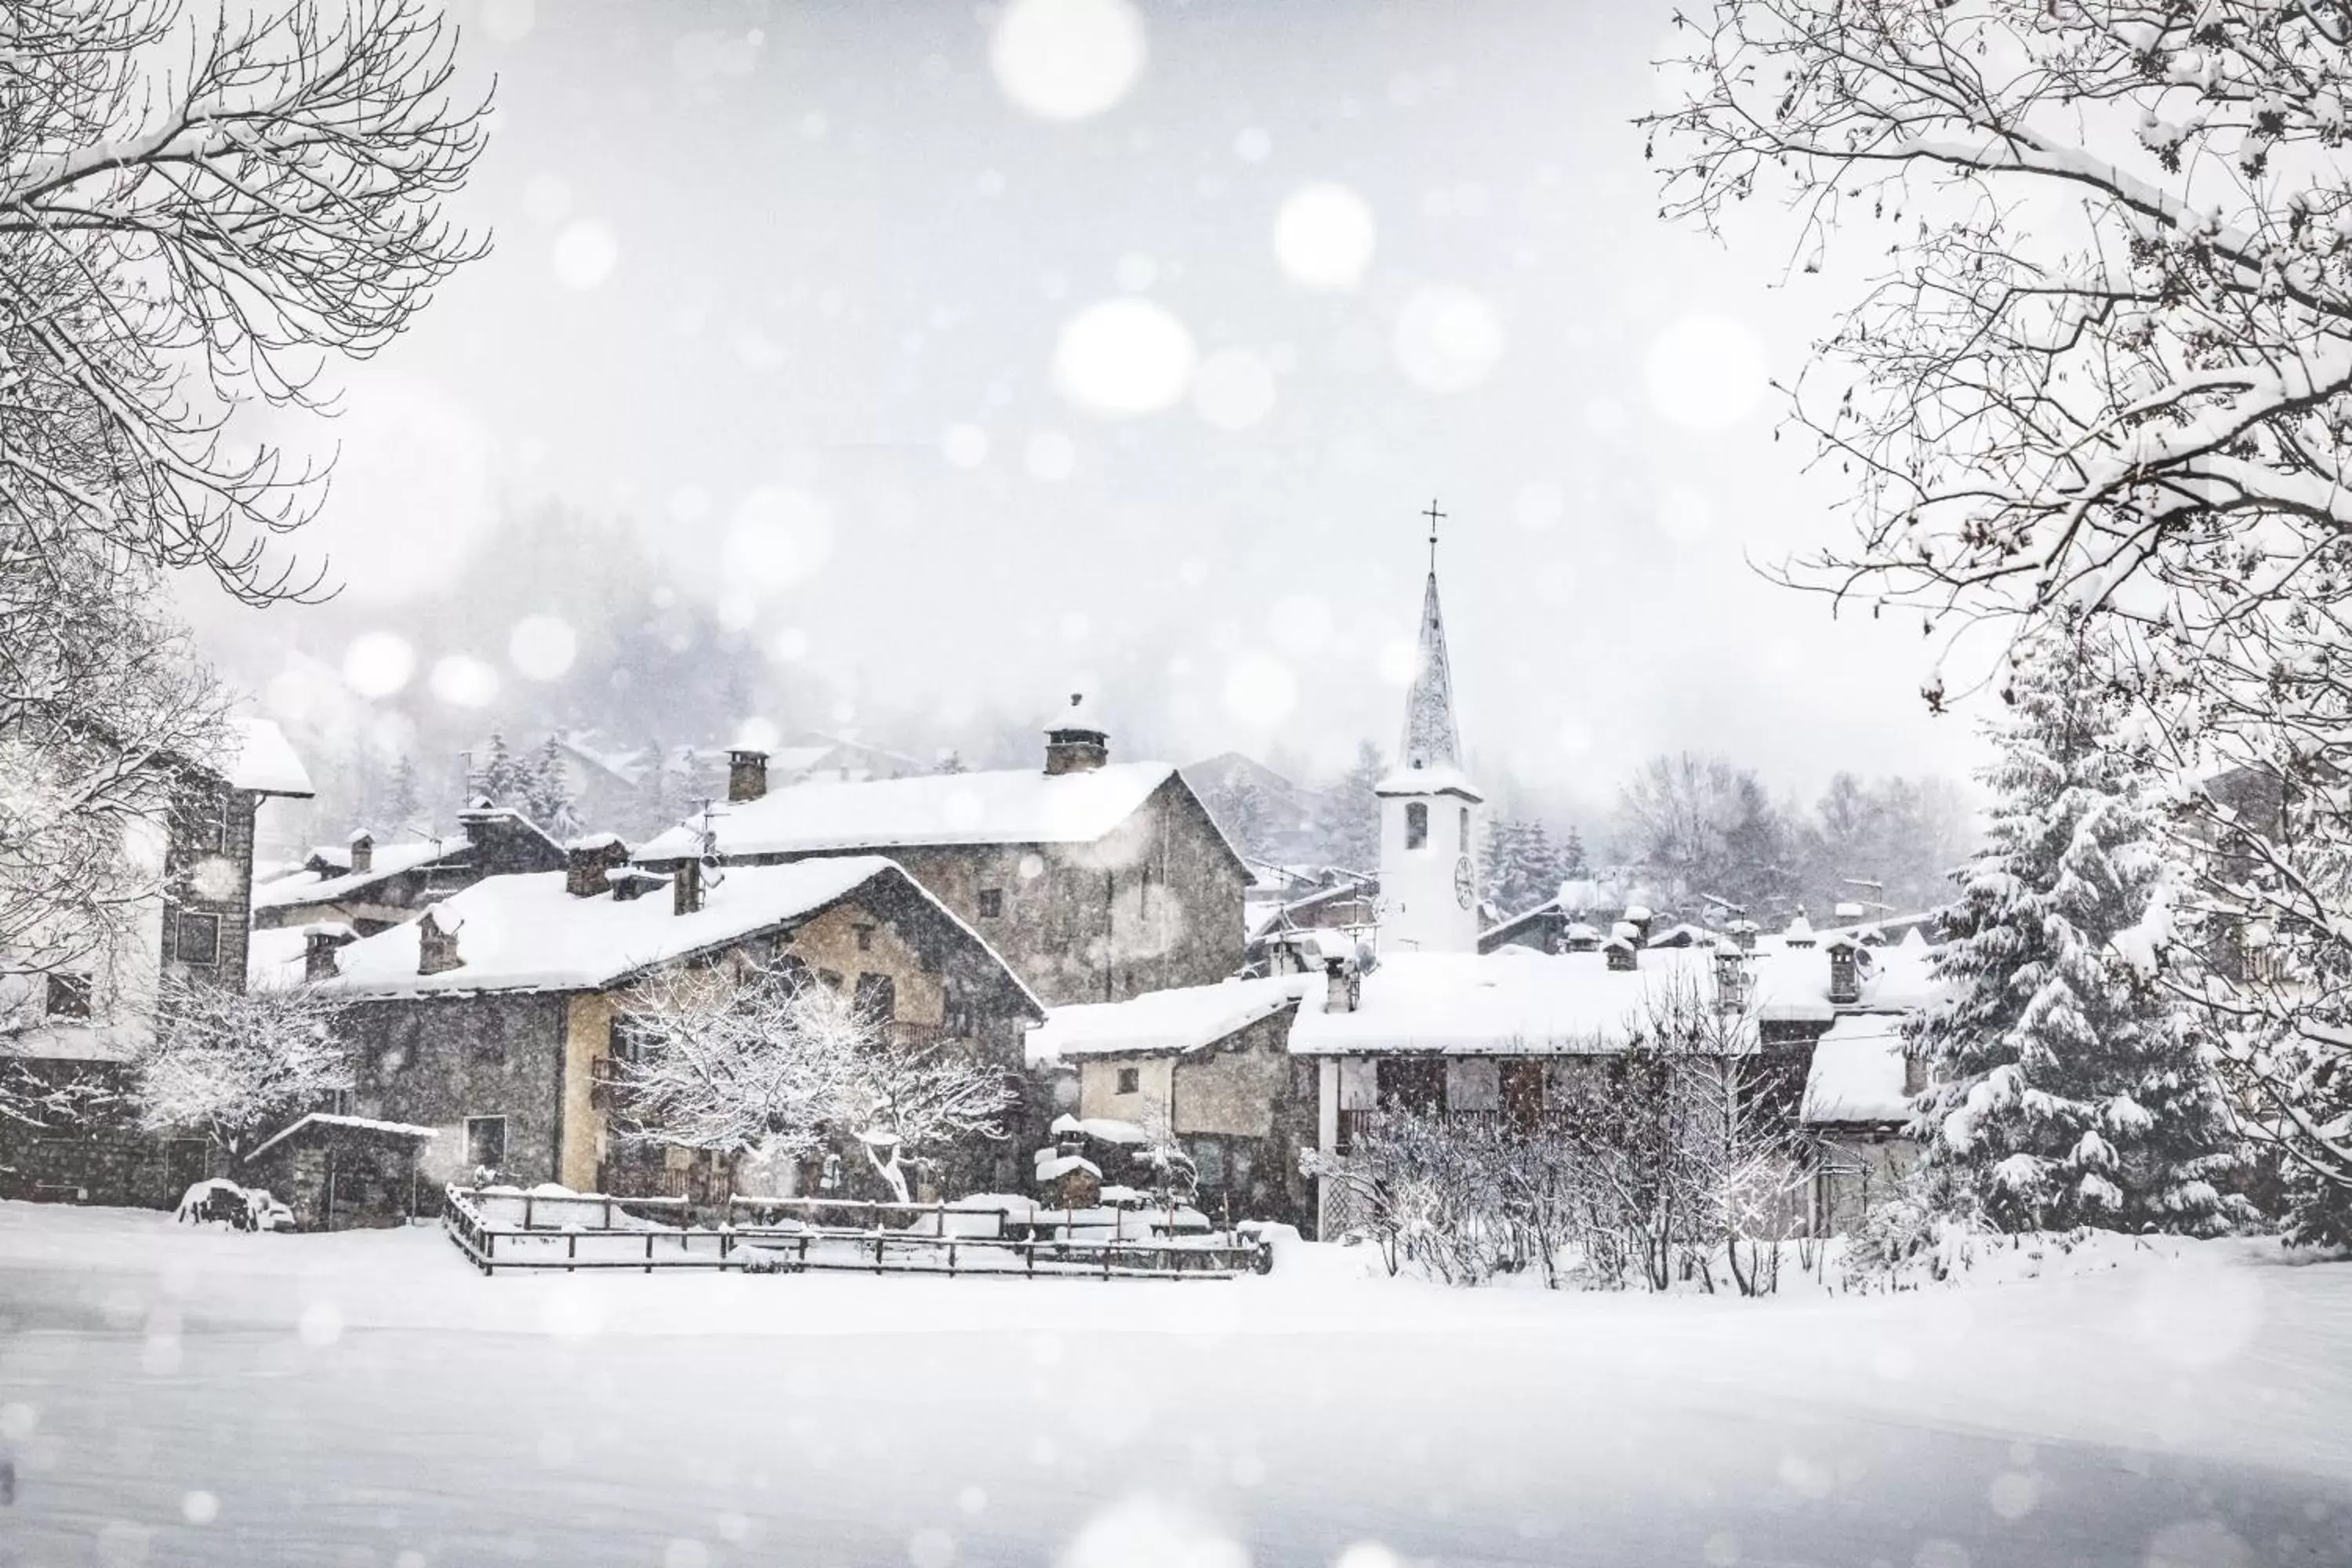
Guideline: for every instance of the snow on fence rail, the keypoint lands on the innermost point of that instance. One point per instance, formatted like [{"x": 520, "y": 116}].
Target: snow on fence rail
[{"x": 505, "y": 1228}]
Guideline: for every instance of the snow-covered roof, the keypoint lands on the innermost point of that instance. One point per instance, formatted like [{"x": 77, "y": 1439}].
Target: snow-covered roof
[
  {"x": 349, "y": 1123},
  {"x": 1432, "y": 778},
  {"x": 309, "y": 887},
  {"x": 1516, "y": 1001},
  {"x": 276, "y": 956},
  {"x": 263, "y": 760},
  {"x": 1857, "y": 1073},
  {"x": 1162, "y": 1021},
  {"x": 526, "y": 933},
  {"x": 1021, "y": 806}
]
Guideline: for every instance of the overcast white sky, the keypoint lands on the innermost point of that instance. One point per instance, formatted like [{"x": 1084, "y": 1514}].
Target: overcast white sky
[{"x": 962, "y": 375}]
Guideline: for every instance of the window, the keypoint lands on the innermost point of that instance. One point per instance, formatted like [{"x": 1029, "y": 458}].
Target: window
[
  {"x": 1416, "y": 824},
  {"x": 1130, "y": 1080},
  {"x": 865, "y": 938},
  {"x": 876, "y": 996},
  {"x": 1209, "y": 1162},
  {"x": 486, "y": 1142},
  {"x": 1464, "y": 845},
  {"x": 68, "y": 996},
  {"x": 991, "y": 903},
  {"x": 958, "y": 1010},
  {"x": 196, "y": 938},
  {"x": 830, "y": 979},
  {"x": 794, "y": 970}
]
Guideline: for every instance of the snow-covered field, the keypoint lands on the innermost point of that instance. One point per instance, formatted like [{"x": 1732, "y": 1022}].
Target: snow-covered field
[{"x": 170, "y": 1395}]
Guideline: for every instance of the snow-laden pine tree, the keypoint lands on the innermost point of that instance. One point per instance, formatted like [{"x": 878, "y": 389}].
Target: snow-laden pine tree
[{"x": 2065, "y": 1088}]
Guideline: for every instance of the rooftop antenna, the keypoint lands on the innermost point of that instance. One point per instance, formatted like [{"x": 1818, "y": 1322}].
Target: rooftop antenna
[
  {"x": 1435, "y": 517},
  {"x": 711, "y": 856}
]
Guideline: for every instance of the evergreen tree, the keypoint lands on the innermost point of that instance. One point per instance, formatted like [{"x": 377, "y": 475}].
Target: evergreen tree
[
  {"x": 1239, "y": 807},
  {"x": 2065, "y": 1088},
  {"x": 951, "y": 762},
  {"x": 499, "y": 775},
  {"x": 1350, "y": 829},
  {"x": 403, "y": 805},
  {"x": 1573, "y": 861},
  {"x": 546, "y": 792}
]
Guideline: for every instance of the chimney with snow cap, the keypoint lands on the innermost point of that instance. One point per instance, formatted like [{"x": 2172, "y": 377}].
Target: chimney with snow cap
[
  {"x": 362, "y": 846},
  {"x": 319, "y": 944},
  {"x": 747, "y": 774},
  {"x": 1076, "y": 740},
  {"x": 436, "y": 949},
  {"x": 686, "y": 887},
  {"x": 586, "y": 861}
]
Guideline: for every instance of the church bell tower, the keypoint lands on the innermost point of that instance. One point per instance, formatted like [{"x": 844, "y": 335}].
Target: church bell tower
[{"x": 1429, "y": 810}]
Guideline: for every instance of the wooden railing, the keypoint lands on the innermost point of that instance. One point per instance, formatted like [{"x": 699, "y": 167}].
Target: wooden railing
[{"x": 554, "y": 1228}]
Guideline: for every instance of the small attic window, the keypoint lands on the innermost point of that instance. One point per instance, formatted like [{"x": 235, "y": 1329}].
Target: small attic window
[
  {"x": 1130, "y": 1080},
  {"x": 991, "y": 903},
  {"x": 1416, "y": 824}
]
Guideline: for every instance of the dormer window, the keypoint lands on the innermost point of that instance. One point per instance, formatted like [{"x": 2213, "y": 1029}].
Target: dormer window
[{"x": 1416, "y": 825}]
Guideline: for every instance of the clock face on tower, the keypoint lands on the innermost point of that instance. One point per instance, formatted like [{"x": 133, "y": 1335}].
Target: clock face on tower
[{"x": 1464, "y": 889}]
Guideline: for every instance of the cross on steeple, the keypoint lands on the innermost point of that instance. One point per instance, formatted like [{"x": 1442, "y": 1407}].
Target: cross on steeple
[{"x": 1435, "y": 517}]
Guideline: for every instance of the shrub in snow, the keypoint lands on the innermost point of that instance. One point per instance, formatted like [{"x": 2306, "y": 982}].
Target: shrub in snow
[
  {"x": 2066, "y": 1088},
  {"x": 219, "y": 1202}
]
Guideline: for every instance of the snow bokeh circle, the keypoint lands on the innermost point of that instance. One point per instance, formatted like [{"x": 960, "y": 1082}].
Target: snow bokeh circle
[
  {"x": 778, "y": 538},
  {"x": 542, "y": 646},
  {"x": 464, "y": 681},
  {"x": 1144, "y": 1532},
  {"x": 378, "y": 664},
  {"x": 1447, "y": 339},
  {"x": 1705, "y": 373},
  {"x": 1050, "y": 457},
  {"x": 965, "y": 445},
  {"x": 1066, "y": 60},
  {"x": 585, "y": 253},
  {"x": 1324, "y": 236},
  {"x": 1122, "y": 357},
  {"x": 1234, "y": 389}
]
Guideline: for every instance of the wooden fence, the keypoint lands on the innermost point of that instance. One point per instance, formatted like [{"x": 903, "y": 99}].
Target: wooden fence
[{"x": 499, "y": 1229}]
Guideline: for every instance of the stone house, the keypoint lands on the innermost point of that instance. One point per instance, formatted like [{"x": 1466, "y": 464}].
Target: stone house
[
  {"x": 491, "y": 1019},
  {"x": 86, "y": 1023},
  {"x": 1208, "y": 1067},
  {"x": 1096, "y": 881}
]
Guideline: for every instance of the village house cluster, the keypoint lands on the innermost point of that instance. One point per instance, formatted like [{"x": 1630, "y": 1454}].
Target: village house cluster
[{"x": 1082, "y": 924}]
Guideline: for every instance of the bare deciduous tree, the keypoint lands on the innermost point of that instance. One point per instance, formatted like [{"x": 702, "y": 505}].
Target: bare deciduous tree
[
  {"x": 2105, "y": 367},
  {"x": 239, "y": 1064},
  {"x": 201, "y": 209}
]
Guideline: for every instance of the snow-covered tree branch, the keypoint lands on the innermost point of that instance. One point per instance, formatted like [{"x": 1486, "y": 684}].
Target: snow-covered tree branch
[
  {"x": 240, "y": 1063},
  {"x": 2104, "y": 366}
]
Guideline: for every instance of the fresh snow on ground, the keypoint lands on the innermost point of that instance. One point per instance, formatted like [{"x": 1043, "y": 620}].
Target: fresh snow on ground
[{"x": 176, "y": 1395}]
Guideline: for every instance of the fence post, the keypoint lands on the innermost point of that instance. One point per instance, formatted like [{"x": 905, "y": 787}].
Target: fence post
[
  {"x": 571, "y": 1251},
  {"x": 526, "y": 1211},
  {"x": 649, "y": 1252}
]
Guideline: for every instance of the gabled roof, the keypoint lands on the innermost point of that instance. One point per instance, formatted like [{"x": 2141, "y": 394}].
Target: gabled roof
[
  {"x": 1162, "y": 1021},
  {"x": 526, "y": 933},
  {"x": 309, "y": 887},
  {"x": 263, "y": 760},
  {"x": 323, "y": 1121},
  {"x": 1009, "y": 806}
]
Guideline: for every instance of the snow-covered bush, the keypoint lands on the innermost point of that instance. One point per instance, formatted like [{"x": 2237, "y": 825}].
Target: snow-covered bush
[{"x": 239, "y": 1065}]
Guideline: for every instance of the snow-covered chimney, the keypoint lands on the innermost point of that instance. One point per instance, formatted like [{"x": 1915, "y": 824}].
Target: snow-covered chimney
[
  {"x": 436, "y": 949},
  {"x": 1343, "y": 989},
  {"x": 686, "y": 887},
  {"x": 747, "y": 774},
  {"x": 1076, "y": 742},
  {"x": 586, "y": 861},
  {"x": 1622, "y": 955},
  {"x": 1639, "y": 917},
  {"x": 363, "y": 844},
  {"x": 320, "y": 945},
  {"x": 1846, "y": 972},
  {"x": 1744, "y": 933}
]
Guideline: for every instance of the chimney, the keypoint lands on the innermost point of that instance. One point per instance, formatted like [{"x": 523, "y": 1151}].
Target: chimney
[
  {"x": 320, "y": 945},
  {"x": 586, "y": 861},
  {"x": 1580, "y": 938},
  {"x": 1730, "y": 979},
  {"x": 1639, "y": 917},
  {"x": 1621, "y": 951},
  {"x": 631, "y": 882},
  {"x": 686, "y": 887},
  {"x": 1845, "y": 973},
  {"x": 363, "y": 844},
  {"x": 1076, "y": 742},
  {"x": 436, "y": 949},
  {"x": 1744, "y": 933},
  {"x": 747, "y": 776}
]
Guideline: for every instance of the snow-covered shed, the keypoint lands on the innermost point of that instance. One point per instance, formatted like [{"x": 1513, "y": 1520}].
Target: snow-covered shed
[
  {"x": 1858, "y": 1094},
  {"x": 340, "y": 1172},
  {"x": 1095, "y": 880},
  {"x": 491, "y": 1019}
]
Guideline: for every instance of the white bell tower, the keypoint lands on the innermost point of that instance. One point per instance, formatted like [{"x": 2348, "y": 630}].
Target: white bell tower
[{"x": 1429, "y": 810}]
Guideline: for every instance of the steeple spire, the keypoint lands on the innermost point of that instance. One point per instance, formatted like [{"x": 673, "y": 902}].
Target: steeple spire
[{"x": 1431, "y": 738}]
